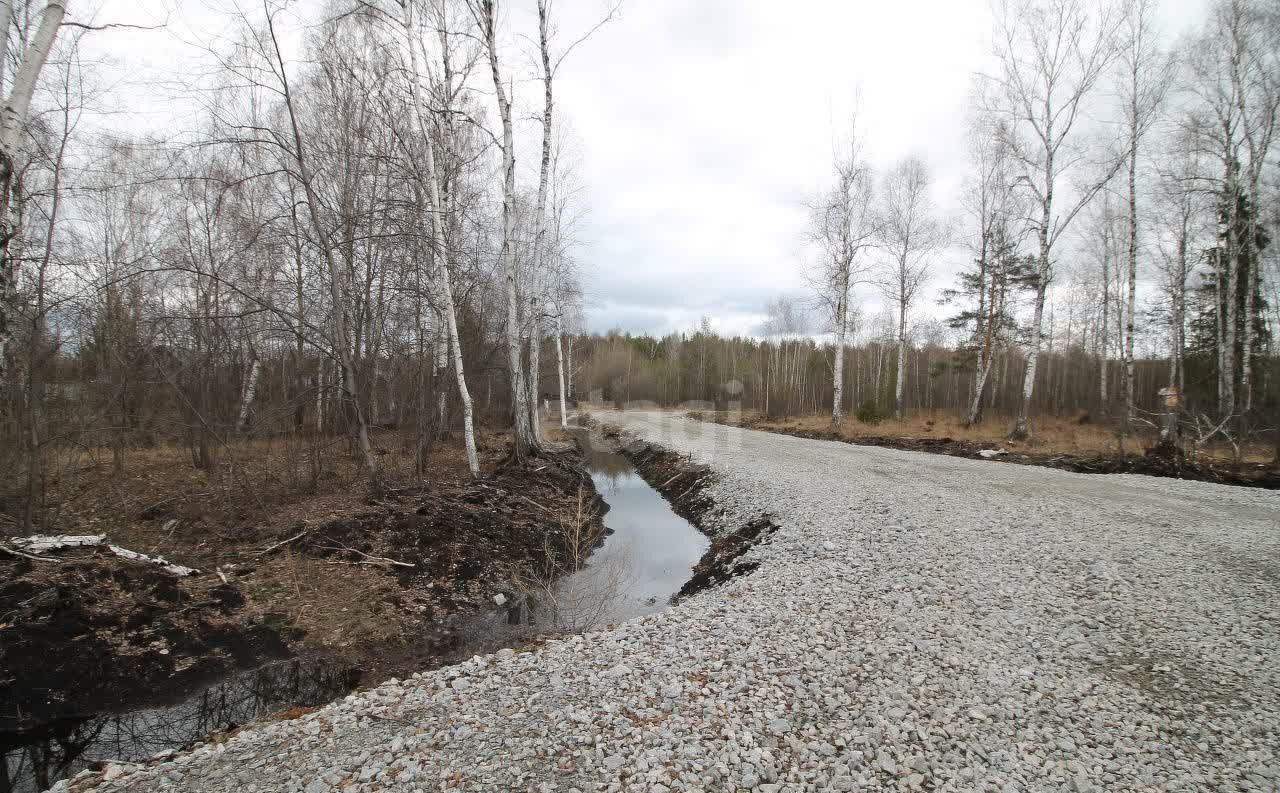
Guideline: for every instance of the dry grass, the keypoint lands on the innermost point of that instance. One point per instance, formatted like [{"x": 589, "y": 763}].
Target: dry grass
[
  {"x": 1073, "y": 434},
  {"x": 254, "y": 483},
  {"x": 163, "y": 505}
]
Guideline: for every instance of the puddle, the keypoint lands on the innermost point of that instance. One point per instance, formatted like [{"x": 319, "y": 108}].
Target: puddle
[
  {"x": 139, "y": 734},
  {"x": 646, "y": 557}
]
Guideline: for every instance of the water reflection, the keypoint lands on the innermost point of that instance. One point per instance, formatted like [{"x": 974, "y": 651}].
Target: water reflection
[
  {"x": 139, "y": 734},
  {"x": 645, "y": 559}
]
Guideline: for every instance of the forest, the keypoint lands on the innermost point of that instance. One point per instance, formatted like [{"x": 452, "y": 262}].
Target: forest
[{"x": 1119, "y": 209}]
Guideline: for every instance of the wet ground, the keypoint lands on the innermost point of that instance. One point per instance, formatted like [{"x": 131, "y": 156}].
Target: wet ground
[
  {"x": 644, "y": 556},
  {"x": 65, "y": 750}
]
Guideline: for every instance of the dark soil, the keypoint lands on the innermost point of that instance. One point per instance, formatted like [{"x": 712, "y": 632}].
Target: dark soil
[
  {"x": 379, "y": 587},
  {"x": 1152, "y": 463},
  {"x": 85, "y": 635},
  {"x": 684, "y": 484}
]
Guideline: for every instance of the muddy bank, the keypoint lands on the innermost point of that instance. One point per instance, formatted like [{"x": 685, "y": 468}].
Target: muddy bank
[
  {"x": 684, "y": 484},
  {"x": 1150, "y": 463},
  {"x": 380, "y": 588}
]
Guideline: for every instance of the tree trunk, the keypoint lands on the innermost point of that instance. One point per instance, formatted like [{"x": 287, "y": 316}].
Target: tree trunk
[
  {"x": 441, "y": 256},
  {"x": 249, "y": 391},
  {"x": 1227, "y": 394},
  {"x": 13, "y": 117},
  {"x": 526, "y": 444},
  {"x": 837, "y": 399},
  {"x": 1103, "y": 391},
  {"x": 899, "y": 386},
  {"x": 1022, "y": 425},
  {"x": 564, "y": 398},
  {"x": 1132, "y": 295}
]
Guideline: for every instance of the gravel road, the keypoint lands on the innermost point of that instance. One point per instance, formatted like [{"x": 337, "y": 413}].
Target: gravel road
[{"x": 918, "y": 622}]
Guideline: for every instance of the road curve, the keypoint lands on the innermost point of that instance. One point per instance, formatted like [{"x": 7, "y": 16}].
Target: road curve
[{"x": 918, "y": 622}]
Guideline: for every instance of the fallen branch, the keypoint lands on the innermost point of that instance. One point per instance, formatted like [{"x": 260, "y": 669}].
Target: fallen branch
[
  {"x": 269, "y": 549},
  {"x": 379, "y": 559},
  {"x": 672, "y": 479},
  {"x": 176, "y": 569},
  {"x": 536, "y": 504},
  {"x": 16, "y": 552}
]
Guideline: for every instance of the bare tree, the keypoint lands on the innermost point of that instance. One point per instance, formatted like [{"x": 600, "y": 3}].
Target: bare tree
[
  {"x": 268, "y": 45},
  {"x": 1235, "y": 65},
  {"x": 997, "y": 270},
  {"x": 1052, "y": 54},
  {"x": 435, "y": 209},
  {"x": 910, "y": 235},
  {"x": 1146, "y": 74},
  {"x": 842, "y": 224},
  {"x": 1182, "y": 208},
  {"x": 526, "y": 441}
]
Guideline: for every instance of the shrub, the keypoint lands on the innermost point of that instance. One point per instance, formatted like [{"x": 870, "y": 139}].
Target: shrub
[{"x": 869, "y": 413}]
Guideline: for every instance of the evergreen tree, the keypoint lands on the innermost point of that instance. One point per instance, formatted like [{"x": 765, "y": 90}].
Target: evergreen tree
[{"x": 1210, "y": 303}]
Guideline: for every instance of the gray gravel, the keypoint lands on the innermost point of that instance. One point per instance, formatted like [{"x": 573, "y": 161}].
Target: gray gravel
[{"x": 918, "y": 622}]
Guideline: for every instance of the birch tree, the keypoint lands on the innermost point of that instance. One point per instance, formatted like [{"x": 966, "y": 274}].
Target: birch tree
[
  {"x": 910, "y": 234},
  {"x": 1181, "y": 211},
  {"x": 268, "y": 45},
  {"x": 436, "y": 241},
  {"x": 843, "y": 226},
  {"x": 997, "y": 272},
  {"x": 1235, "y": 66},
  {"x": 1052, "y": 54},
  {"x": 13, "y": 119},
  {"x": 526, "y": 441},
  {"x": 1145, "y": 75}
]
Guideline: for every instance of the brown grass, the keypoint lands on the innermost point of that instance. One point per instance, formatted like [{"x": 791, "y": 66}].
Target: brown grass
[
  {"x": 1074, "y": 434},
  {"x": 163, "y": 505}
]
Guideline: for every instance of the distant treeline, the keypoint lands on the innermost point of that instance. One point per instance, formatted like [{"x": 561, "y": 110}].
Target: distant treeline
[{"x": 793, "y": 376}]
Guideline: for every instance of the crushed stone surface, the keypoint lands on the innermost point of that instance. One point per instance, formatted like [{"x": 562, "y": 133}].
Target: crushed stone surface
[{"x": 918, "y": 622}]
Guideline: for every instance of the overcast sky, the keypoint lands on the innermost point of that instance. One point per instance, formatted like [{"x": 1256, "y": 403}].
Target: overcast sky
[{"x": 704, "y": 125}]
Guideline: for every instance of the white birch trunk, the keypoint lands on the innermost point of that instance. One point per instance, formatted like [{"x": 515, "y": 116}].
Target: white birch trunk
[
  {"x": 1132, "y": 296},
  {"x": 1106, "y": 316},
  {"x": 1022, "y": 428},
  {"x": 525, "y": 442},
  {"x": 900, "y": 386},
  {"x": 439, "y": 255},
  {"x": 1230, "y": 318},
  {"x": 533, "y": 379},
  {"x": 441, "y": 364},
  {"x": 564, "y": 397},
  {"x": 249, "y": 392},
  {"x": 13, "y": 117},
  {"x": 842, "y": 327}
]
